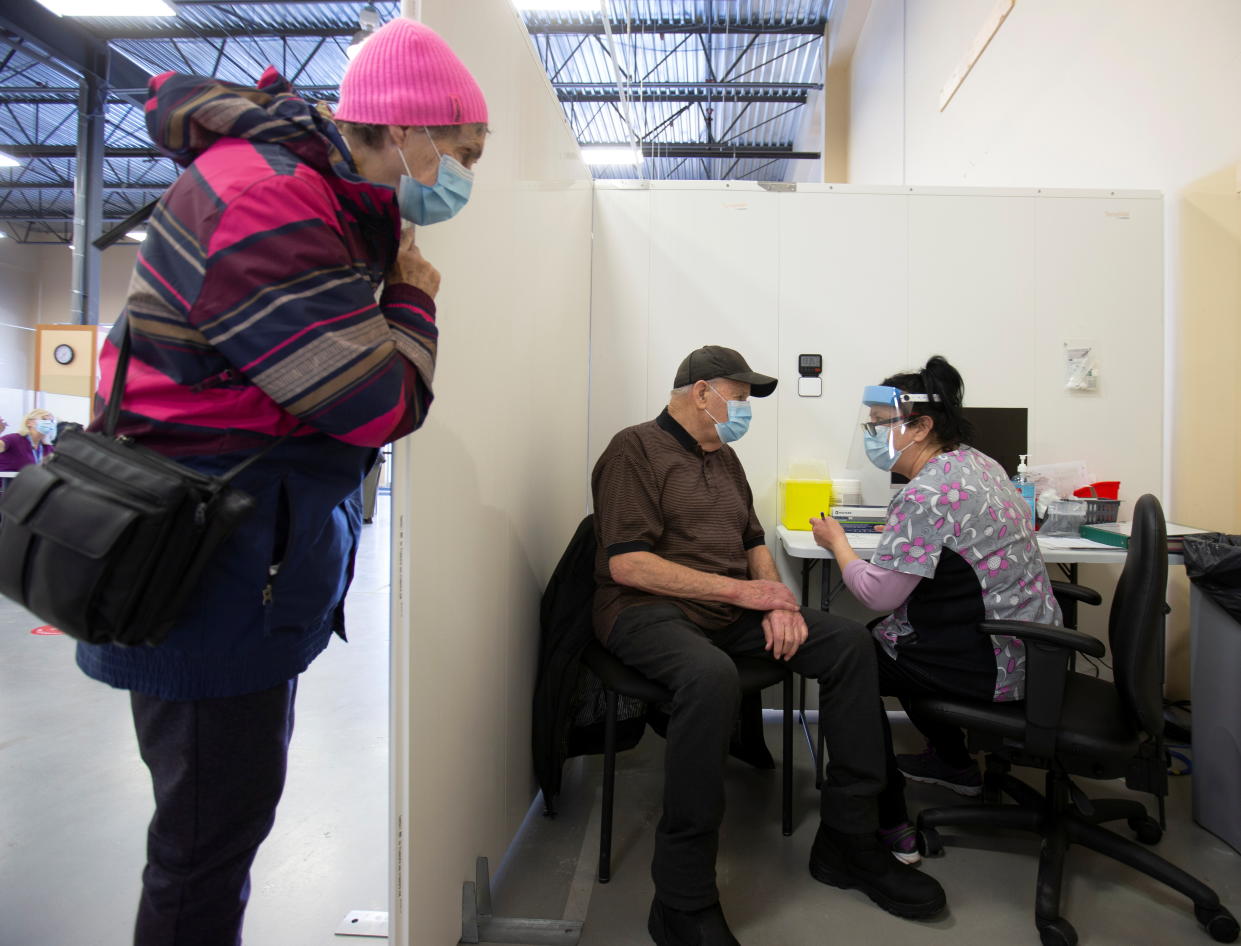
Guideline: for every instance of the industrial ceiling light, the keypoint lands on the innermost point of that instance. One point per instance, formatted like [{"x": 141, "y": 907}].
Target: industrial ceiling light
[
  {"x": 611, "y": 154},
  {"x": 86, "y": 8},
  {"x": 368, "y": 22},
  {"x": 8, "y": 162},
  {"x": 138, "y": 235}
]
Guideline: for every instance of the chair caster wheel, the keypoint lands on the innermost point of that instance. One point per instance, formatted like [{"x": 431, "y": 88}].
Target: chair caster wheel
[
  {"x": 1146, "y": 829},
  {"x": 929, "y": 842},
  {"x": 1057, "y": 932},
  {"x": 1218, "y": 922}
]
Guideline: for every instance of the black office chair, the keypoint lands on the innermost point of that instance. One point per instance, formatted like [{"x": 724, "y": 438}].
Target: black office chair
[
  {"x": 619, "y": 679},
  {"x": 1075, "y": 724}
]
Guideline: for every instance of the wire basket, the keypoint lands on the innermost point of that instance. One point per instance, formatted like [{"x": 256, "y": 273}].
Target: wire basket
[{"x": 1101, "y": 510}]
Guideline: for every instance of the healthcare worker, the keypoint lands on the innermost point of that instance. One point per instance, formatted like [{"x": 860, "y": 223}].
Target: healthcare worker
[
  {"x": 958, "y": 548},
  {"x": 38, "y": 432},
  {"x": 275, "y": 295}
]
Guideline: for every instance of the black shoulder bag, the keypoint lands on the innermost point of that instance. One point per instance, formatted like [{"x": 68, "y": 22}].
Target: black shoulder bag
[{"x": 106, "y": 539}]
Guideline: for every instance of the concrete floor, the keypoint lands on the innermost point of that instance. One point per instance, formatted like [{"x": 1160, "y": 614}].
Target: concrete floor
[
  {"x": 74, "y": 802},
  {"x": 75, "y": 798}
]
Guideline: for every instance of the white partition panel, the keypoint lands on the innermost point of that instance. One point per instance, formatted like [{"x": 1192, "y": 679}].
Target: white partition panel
[
  {"x": 488, "y": 492},
  {"x": 876, "y": 280},
  {"x": 714, "y": 253},
  {"x": 972, "y": 275},
  {"x": 1099, "y": 281},
  {"x": 843, "y": 289}
]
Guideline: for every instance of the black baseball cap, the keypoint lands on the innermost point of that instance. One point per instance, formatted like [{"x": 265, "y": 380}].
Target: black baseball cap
[{"x": 715, "y": 361}]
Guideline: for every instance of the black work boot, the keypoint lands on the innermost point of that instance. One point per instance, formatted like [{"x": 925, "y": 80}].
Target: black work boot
[
  {"x": 705, "y": 927},
  {"x": 859, "y": 860}
]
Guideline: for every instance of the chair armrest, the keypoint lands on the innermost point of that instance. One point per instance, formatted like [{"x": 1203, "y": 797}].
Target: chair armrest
[
  {"x": 1048, "y": 652},
  {"x": 1047, "y": 634},
  {"x": 1079, "y": 593}
]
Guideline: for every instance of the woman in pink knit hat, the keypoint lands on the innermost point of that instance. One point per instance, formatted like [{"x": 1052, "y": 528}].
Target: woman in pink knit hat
[
  {"x": 414, "y": 118},
  {"x": 279, "y": 311}
]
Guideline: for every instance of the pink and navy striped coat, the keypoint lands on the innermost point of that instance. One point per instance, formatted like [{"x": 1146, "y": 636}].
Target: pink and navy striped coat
[{"x": 254, "y": 313}]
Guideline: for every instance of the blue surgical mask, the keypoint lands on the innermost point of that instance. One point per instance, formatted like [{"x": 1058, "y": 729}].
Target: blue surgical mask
[
  {"x": 425, "y": 205},
  {"x": 877, "y": 450},
  {"x": 738, "y": 420},
  {"x": 46, "y": 427}
]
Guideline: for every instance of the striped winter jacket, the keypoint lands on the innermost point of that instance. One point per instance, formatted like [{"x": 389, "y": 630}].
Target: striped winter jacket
[{"x": 253, "y": 314}]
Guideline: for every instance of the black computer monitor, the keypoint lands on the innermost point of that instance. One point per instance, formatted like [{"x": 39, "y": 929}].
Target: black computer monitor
[{"x": 999, "y": 432}]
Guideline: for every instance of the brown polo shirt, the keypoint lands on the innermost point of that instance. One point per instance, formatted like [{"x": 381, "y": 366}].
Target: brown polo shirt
[{"x": 656, "y": 490}]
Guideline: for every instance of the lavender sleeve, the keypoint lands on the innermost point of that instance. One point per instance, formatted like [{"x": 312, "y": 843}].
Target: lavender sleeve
[{"x": 880, "y": 589}]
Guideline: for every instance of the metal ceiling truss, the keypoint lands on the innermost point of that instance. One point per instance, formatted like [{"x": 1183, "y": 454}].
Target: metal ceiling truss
[
  {"x": 39, "y": 116},
  {"x": 717, "y": 67},
  {"x": 662, "y": 26}
]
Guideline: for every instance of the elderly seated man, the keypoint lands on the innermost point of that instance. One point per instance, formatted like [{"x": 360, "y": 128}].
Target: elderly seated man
[{"x": 685, "y": 582}]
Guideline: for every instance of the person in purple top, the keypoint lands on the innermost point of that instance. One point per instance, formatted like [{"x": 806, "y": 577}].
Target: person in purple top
[
  {"x": 958, "y": 548},
  {"x": 31, "y": 444}
]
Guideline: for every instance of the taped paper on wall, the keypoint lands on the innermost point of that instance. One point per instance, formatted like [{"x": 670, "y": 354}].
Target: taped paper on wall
[{"x": 1081, "y": 370}]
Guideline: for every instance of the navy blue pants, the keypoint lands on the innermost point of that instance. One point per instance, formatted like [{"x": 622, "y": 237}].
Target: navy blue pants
[{"x": 217, "y": 767}]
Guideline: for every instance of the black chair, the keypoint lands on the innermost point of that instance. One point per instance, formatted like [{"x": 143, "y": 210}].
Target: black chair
[
  {"x": 618, "y": 679},
  {"x": 1073, "y": 724}
]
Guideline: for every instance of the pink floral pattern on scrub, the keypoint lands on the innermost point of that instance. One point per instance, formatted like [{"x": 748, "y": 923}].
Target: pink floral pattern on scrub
[{"x": 962, "y": 500}]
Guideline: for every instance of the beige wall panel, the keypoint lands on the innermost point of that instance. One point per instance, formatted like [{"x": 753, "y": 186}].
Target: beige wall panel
[
  {"x": 487, "y": 494},
  {"x": 620, "y": 312}
]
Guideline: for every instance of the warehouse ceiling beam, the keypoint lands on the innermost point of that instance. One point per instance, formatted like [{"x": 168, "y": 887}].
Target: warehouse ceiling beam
[
  {"x": 238, "y": 32},
  {"x": 62, "y": 185},
  {"x": 70, "y": 44},
  {"x": 695, "y": 149},
  {"x": 544, "y": 26},
  {"x": 719, "y": 92},
  {"x": 71, "y": 151}
]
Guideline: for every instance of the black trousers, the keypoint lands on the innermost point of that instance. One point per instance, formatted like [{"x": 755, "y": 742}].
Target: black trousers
[
  {"x": 661, "y": 643},
  {"x": 217, "y": 768},
  {"x": 947, "y": 740}
]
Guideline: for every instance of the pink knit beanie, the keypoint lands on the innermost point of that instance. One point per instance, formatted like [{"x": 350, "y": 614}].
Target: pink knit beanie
[{"x": 405, "y": 74}]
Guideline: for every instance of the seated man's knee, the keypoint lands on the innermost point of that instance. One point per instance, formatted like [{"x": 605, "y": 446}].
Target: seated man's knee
[
  {"x": 714, "y": 676},
  {"x": 851, "y": 642}
]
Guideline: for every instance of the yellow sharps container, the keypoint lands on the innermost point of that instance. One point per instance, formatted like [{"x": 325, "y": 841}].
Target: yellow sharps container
[{"x": 805, "y": 492}]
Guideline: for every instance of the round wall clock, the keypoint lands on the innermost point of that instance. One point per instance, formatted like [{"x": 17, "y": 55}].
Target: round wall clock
[{"x": 63, "y": 354}]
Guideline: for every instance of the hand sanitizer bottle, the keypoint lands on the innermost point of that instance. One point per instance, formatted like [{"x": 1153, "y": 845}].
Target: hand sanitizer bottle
[{"x": 1024, "y": 484}]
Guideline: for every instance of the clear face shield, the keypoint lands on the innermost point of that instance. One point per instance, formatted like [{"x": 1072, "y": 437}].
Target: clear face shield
[{"x": 883, "y": 418}]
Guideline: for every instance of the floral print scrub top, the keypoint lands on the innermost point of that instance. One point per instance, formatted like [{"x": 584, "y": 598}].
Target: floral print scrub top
[{"x": 961, "y": 525}]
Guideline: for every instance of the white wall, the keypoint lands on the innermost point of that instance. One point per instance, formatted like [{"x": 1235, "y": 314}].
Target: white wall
[
  {"x": 489, "y": 492},
  {"x": 1124, "y": 93},
  {"x": 18, "y": 315},
  {"x": 876, "y": 280}
]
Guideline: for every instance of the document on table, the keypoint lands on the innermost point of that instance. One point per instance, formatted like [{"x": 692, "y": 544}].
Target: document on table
[
  {"x": 1066, "y": 542},
  {"x": 865, "y": 540}
]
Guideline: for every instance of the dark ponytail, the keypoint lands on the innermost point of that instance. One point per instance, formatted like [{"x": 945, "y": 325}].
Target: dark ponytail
[{"x": 939, "y": 378}]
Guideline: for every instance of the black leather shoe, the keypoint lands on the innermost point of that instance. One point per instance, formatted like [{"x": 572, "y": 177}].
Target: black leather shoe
[
  {"x": 705, "y": 927},
  {"x": 859, "y": 860}
]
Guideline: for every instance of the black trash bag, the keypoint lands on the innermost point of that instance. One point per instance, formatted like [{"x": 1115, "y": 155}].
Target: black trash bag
[{"x": 1213, "y": 563}]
